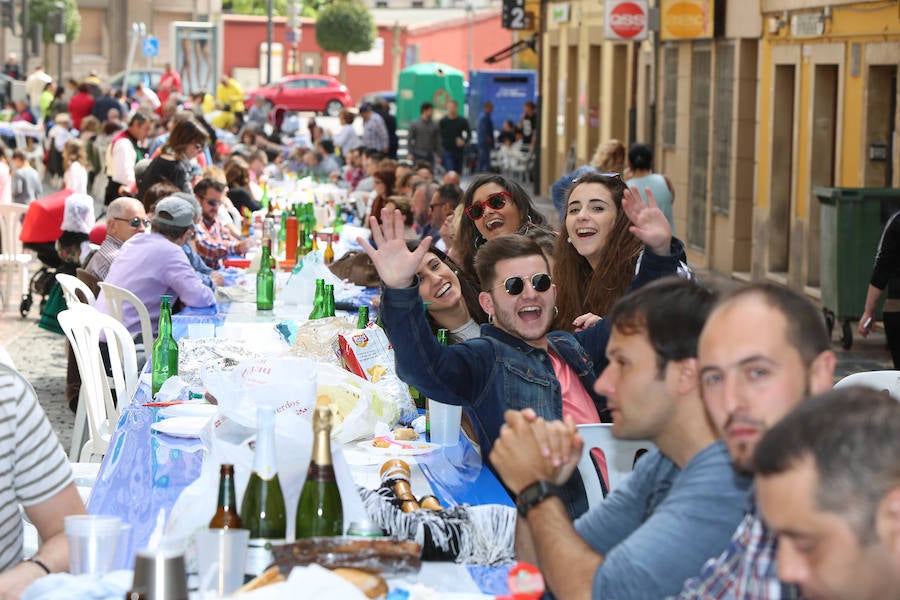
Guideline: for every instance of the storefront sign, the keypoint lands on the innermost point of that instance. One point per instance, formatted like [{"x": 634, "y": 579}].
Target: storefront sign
[
  {"x": 559, "y": 13},
  {"x": 687, "y": 19},
  {"x": 625, "y": 20}
]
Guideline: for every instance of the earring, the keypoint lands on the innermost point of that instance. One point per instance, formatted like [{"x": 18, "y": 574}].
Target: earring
[
  {"x": 491, "y": 319},
  {"x": 568, "y": 239},
  {"x": 555, "y": 312}
]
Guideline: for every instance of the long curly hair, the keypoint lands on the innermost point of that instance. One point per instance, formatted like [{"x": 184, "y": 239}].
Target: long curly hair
[
  {"x": 468, "y": 238},
  {"x": 582, "y": 289}
]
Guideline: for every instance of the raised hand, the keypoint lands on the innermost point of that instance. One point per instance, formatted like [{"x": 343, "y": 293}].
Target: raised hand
[
  {"x": 395, "y": 264},
  {"x": 649, "y": 223},
  {"x": 586, "y": 320}
]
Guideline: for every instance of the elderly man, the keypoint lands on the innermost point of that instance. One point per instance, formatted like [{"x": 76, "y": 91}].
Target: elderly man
[
  {"x": 124, "y": 218},
  {"x": 828, "y": 485},
  {"x": 34, "y": 473},
  {"x": 682, "y": 500},
  {"x": 154, "y": 265},
  {"x": 125, "y": 149},
  {"x": 214, "y": 241}
]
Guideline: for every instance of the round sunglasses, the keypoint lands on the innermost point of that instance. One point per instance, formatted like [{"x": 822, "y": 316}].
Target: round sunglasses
[
  {"x": 134, "y": 221},
  {"x": 516, "y": 285},
  {"x": 495, "y": 201}
]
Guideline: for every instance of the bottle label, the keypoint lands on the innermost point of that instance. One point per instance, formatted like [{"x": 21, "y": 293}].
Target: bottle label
[{"x": 259, "y": 555}]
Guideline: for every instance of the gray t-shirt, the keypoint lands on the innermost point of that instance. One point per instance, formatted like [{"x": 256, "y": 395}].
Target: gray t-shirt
[
  {"x": 660, "y": 526},
  {"x": 26, "y": 185}
]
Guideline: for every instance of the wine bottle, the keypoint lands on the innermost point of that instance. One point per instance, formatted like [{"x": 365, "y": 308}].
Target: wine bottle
[
  {"x": 226, "y": 514},
  {"x": 362, "y": 319},
  {"x": 262, "y": 509},
  {"x": 265, "y": 281},
  {"x": 318, "y": 310},
  {"x": 329, "y": 300},
  {"x": 329, "y": 251},
  {"x": 319, "y": 511},
  {"x": 164, "y": 357}
]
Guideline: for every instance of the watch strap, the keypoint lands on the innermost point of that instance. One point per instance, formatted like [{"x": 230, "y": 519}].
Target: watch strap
[{"x": 533, "y": 495}]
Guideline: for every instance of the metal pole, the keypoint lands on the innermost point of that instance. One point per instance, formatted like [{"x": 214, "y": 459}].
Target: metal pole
[
  {"x": 59, "y": 47},
  {"x": 26, "y": 33},
  {"x": 470, "y": 10},
  {"x": 269, "y": 36}
]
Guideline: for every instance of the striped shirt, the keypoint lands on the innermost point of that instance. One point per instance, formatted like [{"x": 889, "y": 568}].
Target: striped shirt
[
  {"x": 98, "y": 263},
  {"x": 33, "y": 466}
]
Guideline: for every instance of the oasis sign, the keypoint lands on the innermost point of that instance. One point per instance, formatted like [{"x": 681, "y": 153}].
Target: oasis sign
[{"x": 625, "y": 20}]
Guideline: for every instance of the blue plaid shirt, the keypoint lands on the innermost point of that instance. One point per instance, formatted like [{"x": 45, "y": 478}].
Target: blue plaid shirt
[{"x": 746, "y": 570}]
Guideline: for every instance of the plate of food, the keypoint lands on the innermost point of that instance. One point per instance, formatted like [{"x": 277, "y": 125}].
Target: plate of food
[
  {"x": 182, "y": 427},
  {"x": 402, "y": 442}
]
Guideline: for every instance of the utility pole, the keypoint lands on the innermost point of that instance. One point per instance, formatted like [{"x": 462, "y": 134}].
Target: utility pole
[
  {"x": 26, "y": 32},
  {"x": 269, "y": 35},
  {"x": 59, "y": 36}
]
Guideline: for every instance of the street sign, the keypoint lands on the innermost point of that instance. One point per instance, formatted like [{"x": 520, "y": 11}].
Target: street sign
[
  {"x": 150, "y": 47},
  {"x": 626, "y": 20},
  {"x": 59, "y": 38},
  {"x": 513, "y": 14}
]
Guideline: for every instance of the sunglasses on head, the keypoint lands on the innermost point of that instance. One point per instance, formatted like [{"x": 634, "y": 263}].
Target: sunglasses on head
[
  {"x": 134, "y": 221},
  {"x": 516, "y": 285},
  {"x": 495, "y": 201}
]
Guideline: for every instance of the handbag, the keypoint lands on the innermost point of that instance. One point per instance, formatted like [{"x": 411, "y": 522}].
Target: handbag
[{"x": 358, "y": 268}]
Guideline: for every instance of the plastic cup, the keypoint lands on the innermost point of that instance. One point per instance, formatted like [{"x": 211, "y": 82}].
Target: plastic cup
[
  {"x": 444, "y": 420},
  {"x": 93, "y": 541},
  {"x": 221, "y": 554}
]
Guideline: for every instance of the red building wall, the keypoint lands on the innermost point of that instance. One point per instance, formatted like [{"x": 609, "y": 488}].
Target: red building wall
[{"x": 448, "y": 42}]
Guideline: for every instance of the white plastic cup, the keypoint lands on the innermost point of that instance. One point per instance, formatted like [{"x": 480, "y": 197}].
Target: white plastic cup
[
  {"x": 444, "y": 422},
  {"x": 221, "y": 554},
  {"x": 93, "y": 541}
]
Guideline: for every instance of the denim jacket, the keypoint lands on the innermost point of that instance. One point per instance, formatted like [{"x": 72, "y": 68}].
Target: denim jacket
[{"x": 486, "y": 375}]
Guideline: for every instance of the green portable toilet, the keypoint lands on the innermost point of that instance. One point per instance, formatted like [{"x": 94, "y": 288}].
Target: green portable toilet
[{"x": 428, "y": 82}]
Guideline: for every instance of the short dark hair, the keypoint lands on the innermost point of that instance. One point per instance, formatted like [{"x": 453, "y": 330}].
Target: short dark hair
[
  {"x": 207, "y": 183},
  {"x": 806, "y": 330},
  {"x": 672, "y": 312},
  {"x": 425, "y": 106},
  {"x": 450, "y": 193},
  {"x": 327, "y": 146},
  {"x": 853, "y": 436},
  {"x": 138, "y": 118},
  {"x": 502, "y": 248},
  {"x": 640, "y": 156}
]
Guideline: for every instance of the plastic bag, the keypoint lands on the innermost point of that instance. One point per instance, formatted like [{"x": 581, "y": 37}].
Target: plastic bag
[
  {"x": 301, "y": 285},
  {"x": 358, "y": 405}
]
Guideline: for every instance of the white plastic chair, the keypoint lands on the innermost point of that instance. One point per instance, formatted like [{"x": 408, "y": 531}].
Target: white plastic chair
[
  {"x": 83, "y": 325},
  {"x": 880, "y": 380},
  {"x": 620, "y": 456},
  {"x": 115, "y": 297},
  {"x": 31, "y": 141},
  {"x": 12, "y": 255},
  {"x": 75, "y": 291}
]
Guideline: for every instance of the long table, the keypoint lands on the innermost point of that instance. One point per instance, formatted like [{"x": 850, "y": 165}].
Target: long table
[{"x": 143, "y": 473}]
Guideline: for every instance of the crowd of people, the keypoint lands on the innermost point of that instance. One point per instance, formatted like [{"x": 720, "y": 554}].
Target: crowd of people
[{"x": 762, "y": 483}]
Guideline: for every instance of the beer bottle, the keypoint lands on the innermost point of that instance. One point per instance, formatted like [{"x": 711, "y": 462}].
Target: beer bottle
[
  {"x": 329, "y": 300},
  {"x": 265, "y": 282},
  {"x": 338, "y": 225},
  {"x": 329, "y": 251},
  {"x": 262, "y": 509},
  {"x": 318, "y": 310},
  {"x": 319, "y": 511},
  {"x": 315, "y": 243},
  {"x": 226, "y": 514},
  {"x": 362, "y": 320},
  {"x": 302, "y": 236},
  {"x": 164, "y": 358},
  {"x": 264, "y": 201}
]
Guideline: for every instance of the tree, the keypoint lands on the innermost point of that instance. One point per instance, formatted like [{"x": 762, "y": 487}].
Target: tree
[
  {"x": 40, "y": 11},
  {"x": 345, "y": 26}
]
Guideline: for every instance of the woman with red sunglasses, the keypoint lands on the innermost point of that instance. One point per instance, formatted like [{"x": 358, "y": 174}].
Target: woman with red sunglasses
[{"x": 494, "y": 206}]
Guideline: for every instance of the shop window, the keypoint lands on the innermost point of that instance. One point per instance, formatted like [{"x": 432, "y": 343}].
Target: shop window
[
  {"x": 670, "y": 96},
  {"x": 722, "y": 128},
  {"x": 698, "y": 167}
]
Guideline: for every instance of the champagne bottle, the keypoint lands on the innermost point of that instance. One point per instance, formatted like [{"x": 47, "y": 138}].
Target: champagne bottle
[
  {"x": 164, "y": 358},
  {"x": 329, "y": 251},
  {"x": 262, "y": 509},
  {"x": 265, "y": 282},
  {"x": 315, "y": 242},
  {"x": 362, "y": 320},
  {"x": 226, "y": 514},
  {"x": 319, "y": 511},
  {"x": 318, "y": 310},
  {"x": 329, "y": 300}
]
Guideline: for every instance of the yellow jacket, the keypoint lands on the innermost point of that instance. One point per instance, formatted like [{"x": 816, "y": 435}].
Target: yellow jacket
[{"x": 231, "y": 95}]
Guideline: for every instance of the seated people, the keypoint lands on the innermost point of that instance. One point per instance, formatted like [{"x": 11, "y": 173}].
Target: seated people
[
  {"x": 34, "y": 473},
  {"x": 124, "y": 217},
  {"x": 154, "y": 265},
  {"x": 828, "y": 486},
  {"x": 214, "y": 240},
  {"x": 681, "y": 501}
]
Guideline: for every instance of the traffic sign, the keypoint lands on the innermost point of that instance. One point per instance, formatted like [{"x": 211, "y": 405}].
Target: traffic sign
[
  {"x": 150, "y": 47},
  {"x": 626, "y": 20}
]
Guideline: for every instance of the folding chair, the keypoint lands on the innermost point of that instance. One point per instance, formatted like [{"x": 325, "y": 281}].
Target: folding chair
[
  {"x": 75, "y": 291},
  {"x": 620, "y": 458},
  {"x": 12, "y": 255},
  {"x": 888, "y": 380}
]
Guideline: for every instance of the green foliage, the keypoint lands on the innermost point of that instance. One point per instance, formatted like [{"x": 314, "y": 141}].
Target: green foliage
[
  {"x": 40, "y": 11},
  {"x": 345, "y": 26},
  {"x": 255, "y": 7}
]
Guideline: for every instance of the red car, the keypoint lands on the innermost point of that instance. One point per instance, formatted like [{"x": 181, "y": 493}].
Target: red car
[{"x": 319, "y": 93}]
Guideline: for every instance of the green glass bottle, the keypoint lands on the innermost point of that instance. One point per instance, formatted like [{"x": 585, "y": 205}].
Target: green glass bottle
[
  {"x": 320, "y": 511},
  {"x": 362, "y": 319},
  {"x": 265, "y": 281},
  {"x": 302, "y": 250},
  {"x": 264, "y": 201},
  {"x": 329, "y": 300},
  {"x": 337, "y": 225},
  {"x": 262, "y": 510},
  {"x": 164, "y": 358},
  {"x": 318, "y": 310}
]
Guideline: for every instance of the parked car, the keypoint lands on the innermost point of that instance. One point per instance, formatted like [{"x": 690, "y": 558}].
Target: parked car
[
  {"x": 149, "y": 77},
  {"x": 319, "y": 93}
]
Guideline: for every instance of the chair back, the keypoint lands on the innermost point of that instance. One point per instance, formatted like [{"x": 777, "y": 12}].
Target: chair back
[
  {"x": 880, "y": 380},
  {"x": 89, "y": 280},
  {"x": 83, "y": 326},
  {"x": 116, "y": 297},
  {"x": 75, "y": 291},
  {"x": 620, "y": 458},
  {"x": 12, "y": 254}
]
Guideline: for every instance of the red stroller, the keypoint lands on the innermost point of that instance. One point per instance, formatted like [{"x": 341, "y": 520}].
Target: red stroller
[{"x": 40, "y": 231}]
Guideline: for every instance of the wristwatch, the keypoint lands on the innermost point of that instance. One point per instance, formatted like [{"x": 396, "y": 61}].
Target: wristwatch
[{"x": 533, "y": 495}]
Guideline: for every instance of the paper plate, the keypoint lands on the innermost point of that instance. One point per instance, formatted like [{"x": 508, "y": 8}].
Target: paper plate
[
  {"x": 183, "y": 427},
  {"x": 417, "y": 447},
  {"x": 189, "y": 409}
]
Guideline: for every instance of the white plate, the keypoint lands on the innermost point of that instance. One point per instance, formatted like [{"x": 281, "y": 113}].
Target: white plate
[
  {"x": 184, "y": 427},
  {"x": 189, "y": 409},
  {"x": 418, "y": 447}
]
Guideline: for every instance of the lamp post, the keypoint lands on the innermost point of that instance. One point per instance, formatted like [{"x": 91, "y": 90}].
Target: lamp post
[
  {"x": 59, "y": 37},
  {"x": 269, "y": 41},
  {"x": 470, "y": 15}
]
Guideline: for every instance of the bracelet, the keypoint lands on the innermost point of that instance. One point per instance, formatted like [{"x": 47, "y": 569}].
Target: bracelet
[
  {"x": 533, "y": 495},
  {"x": 39, "y": 563}
]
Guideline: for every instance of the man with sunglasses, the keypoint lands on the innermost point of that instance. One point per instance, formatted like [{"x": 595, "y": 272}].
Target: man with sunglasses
[
  {"x": 125, "y": 217},
  {"x": 214, "y": 241}
]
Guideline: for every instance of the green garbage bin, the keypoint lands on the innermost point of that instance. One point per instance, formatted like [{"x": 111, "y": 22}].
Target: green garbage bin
[{"x": 851, "y": 221}]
